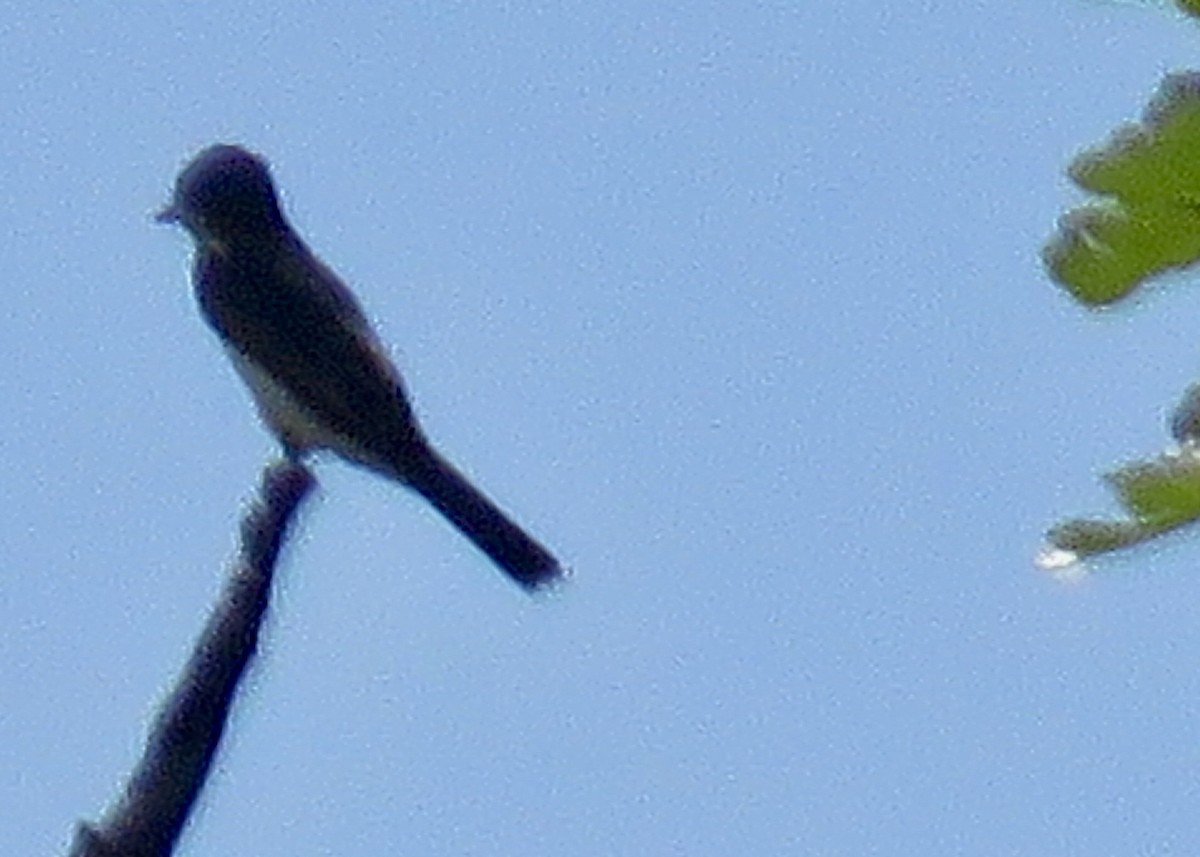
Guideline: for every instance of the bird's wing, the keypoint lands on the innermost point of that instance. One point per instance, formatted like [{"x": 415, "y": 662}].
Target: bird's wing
[{"x": 290, "y": 316}]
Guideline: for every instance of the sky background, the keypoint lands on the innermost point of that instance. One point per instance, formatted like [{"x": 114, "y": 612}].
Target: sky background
[{"x": 737, "y": 306}]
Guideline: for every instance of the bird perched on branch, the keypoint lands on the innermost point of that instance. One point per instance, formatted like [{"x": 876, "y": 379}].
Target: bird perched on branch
[{"x": 318, "y": 374}]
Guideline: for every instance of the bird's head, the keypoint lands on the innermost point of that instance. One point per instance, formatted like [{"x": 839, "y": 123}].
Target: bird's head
[{"x": 226, "y": 191}]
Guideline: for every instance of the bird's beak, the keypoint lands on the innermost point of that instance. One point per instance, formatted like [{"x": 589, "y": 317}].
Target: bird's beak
[{"x": 169, "y": 215}]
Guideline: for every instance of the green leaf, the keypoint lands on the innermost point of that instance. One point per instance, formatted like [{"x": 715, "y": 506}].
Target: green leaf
[
  {"x": 1162, "y": 493},
  {"x": 1158, "y": 495},
  {"x": 1085, "y": 537},
  {"x": 1146, "y": 218}
]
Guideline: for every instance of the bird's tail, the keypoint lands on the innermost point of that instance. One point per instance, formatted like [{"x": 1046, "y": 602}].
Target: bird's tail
[{"x": 481, "y": 520}]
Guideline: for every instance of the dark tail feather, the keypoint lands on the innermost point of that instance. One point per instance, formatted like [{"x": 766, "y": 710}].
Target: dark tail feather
[{"x": 480, "y": 520}]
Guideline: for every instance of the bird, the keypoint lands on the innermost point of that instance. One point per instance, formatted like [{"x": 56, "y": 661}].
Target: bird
[{"x": 319, "y": 375}]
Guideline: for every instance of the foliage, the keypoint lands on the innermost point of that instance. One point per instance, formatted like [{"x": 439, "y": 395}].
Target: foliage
[{"x": 1144, "y": 221}]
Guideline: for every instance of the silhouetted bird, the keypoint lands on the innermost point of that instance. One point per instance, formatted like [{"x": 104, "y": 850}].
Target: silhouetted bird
[{"x": 302, "y": 344}]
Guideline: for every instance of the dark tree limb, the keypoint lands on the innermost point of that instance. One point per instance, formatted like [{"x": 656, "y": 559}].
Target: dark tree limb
[{"x": 163, "y": 788}]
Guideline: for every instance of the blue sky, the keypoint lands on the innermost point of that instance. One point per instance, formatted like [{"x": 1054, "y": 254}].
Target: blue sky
[{"x": 737, "y": 306}]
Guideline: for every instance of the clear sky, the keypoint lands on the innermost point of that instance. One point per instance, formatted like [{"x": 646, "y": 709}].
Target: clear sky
[{"x": 736, "y": 305}]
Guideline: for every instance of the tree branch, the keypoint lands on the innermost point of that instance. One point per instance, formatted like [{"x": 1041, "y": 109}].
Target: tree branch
[{"x": 163, "y": 788}]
